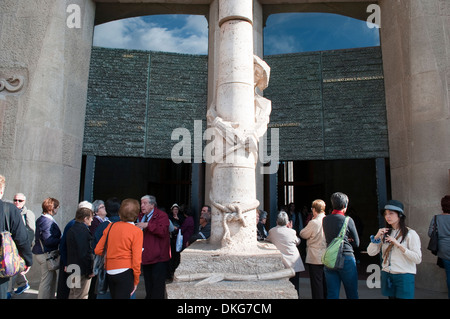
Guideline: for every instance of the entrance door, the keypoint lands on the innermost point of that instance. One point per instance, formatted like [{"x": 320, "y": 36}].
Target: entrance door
[{"x": 134, "y": 177}]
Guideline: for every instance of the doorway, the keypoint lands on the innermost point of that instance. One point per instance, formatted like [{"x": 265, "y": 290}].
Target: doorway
[
  {"x": 125, "y": 177},
  {"x": 301, "y": 182}
]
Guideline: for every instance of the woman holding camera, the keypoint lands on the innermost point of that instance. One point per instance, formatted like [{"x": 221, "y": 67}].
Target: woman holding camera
[{"x": 400, "y": 249}]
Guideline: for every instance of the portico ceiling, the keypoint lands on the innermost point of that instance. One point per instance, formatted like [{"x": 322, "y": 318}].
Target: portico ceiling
[{"x": 110, "y": 10}]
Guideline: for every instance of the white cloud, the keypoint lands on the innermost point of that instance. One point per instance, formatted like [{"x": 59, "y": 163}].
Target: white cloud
[
  {"x": 142, "y": 34},
  {"x": 111, "y": 35},
  {"x": 282, "y": 44},
  {"x": 197, "y": 24}
]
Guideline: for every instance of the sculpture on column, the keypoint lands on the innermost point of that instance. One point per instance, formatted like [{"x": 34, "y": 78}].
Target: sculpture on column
[{"x": 229, "y": 136}]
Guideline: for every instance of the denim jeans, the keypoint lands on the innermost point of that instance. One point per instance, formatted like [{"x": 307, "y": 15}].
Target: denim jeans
[
  {"x": 447, "y": 272},
  {"x": 398, "y": 286},
  {"x": 348, "y": 275},
  {"x": 4, "y": 283}
]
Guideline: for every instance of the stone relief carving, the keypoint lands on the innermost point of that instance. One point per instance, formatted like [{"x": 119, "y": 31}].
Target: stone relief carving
[
  {"x": 12, "y": 84},
  {"x": 263, "y": 106},
  {"x": 235, "y": 139}
]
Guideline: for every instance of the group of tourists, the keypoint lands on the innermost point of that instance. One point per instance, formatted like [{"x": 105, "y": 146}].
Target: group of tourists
[
  {"x": 398, "y": 245},
  {"x": 139, "y": 237},
  {"x": 136, "y": 237}
]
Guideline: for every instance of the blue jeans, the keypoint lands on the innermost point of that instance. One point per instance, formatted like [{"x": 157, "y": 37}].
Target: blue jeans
[
  {"x": 400, "y": 286},
  {"x": 348, "y": 275},
  {"x": 447, "y": 272},
  {"x": 4, "y": 282}
]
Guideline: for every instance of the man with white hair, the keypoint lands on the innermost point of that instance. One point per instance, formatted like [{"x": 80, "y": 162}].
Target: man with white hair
[
  {"x": 29, "y": 219},
  {"x": 156, "y": 253}
]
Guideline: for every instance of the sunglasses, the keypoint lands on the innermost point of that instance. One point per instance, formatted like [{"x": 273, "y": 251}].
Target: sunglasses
[{"x": 19, "y": 200}]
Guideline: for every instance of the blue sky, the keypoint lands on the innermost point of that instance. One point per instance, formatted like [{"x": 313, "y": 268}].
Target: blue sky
[{"x": 284, "y": 33}]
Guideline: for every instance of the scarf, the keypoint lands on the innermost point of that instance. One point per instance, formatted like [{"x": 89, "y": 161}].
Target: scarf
[
  {"x": 338, "y": 212},
  {"x": 389, "y": 248}
]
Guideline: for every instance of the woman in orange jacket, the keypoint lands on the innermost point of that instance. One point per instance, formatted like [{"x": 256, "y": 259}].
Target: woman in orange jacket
[{"x": 123, "y": 252}]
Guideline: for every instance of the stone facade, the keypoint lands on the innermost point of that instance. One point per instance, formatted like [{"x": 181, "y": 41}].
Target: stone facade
[
  {"x": 42, "y": 125},
  {"x": 327, "y": 105},
  {"x": 136, "y": 99}
]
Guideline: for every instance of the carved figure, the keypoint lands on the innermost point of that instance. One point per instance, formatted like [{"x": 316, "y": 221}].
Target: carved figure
[
  {"x": 233, "y": 138},
  {"x": 12, "y": 84}
]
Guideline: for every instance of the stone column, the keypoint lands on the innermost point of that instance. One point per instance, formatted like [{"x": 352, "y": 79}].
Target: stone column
[
  {"x": 416, "y": 47},
  {"x": 42, "y": 116},
  {"x": 232, "y": 264},
  {"x": 233, "y": 194}
]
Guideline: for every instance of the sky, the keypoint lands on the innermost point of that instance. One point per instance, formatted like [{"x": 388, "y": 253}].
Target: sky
[{"x": 284, "y": 33}]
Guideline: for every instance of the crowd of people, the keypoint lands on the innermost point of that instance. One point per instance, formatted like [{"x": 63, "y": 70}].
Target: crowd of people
[
  {"x": 139, "y": 237},
  {"x": 399, "y": 247}
]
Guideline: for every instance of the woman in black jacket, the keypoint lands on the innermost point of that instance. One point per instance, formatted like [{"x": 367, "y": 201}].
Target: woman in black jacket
[
  {"x": 47, "y": 238},
  {"x": 80, "y": 254}
]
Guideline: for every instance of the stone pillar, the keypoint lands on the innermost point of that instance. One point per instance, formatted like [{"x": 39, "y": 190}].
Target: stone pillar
[
  {"x": 232, "y": 264},
  {"x": 416, "y": 48},
  {"x": 233, "y": 194},
  {"x": 42, "y": 122}
]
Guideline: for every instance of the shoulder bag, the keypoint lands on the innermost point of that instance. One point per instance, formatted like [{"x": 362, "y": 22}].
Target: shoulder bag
[
  {"x": 11, "y": 262},
  {"x": 52, "y": 258},
  {"x": 434, "y": 238},
  {"x": 179, "y": 242},
  {"x": 333, "y": 257},
  {"x": 433, "y": 243},
  {"x": 101, "y": 285}
]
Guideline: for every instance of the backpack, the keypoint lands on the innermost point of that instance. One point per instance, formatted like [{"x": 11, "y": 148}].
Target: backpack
[
  {"x": 10, "y": 262},
  {"x": 333, "y": 257}
]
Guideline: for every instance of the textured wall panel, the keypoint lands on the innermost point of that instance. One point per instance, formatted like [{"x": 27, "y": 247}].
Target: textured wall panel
[{"x": 326, "y": 105}]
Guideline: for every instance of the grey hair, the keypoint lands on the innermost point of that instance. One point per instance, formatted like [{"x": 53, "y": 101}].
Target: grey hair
[
  {"x": 96, "y": 204},
  {"x": 339, "y": 201},
  {"x": 282, "y": 219},
  {"x": 151, "y": 199}
]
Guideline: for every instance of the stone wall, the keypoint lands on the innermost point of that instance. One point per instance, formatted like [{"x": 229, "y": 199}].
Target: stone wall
[
  {"x": 327, "y": 105},
  {"x": 136, "y": 99}
]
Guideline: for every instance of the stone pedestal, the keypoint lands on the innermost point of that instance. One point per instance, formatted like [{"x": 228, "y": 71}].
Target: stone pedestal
[{"x": 208, "y": 272}]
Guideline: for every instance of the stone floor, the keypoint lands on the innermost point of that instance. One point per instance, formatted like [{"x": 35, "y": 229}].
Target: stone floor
[{"x": 305, "y": 292}]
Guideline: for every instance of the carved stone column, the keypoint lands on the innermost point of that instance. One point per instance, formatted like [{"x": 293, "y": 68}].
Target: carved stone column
[
  {"x": 233, "y": 195},
  {"x": 232, "y": 264}
]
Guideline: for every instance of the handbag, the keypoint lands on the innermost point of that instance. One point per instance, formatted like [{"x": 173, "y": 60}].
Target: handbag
[
  {"x": 11, "y": 262},
  {"x": 52, "y": 258},
  {"x": 434, "y": 238},
  {"x": 333, "y": 257},
  {"x": 101, "y": 285},
  {"x": 179, "y": 243}
]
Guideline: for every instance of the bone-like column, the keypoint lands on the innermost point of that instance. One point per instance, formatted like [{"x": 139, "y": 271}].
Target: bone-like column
[{"x": 233, "y": 191}]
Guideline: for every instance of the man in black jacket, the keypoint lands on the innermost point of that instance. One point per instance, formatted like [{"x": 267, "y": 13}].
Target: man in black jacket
[
  {"x": 18, "y": 232},
  {"x": 80, "y": 254}
]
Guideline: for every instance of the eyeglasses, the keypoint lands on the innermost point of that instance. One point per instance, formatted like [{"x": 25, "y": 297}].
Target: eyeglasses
[{"x": 19, "y": 200}]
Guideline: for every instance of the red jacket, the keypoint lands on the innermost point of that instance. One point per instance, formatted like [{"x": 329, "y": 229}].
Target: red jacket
[{"x": 156, "y": 238}]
